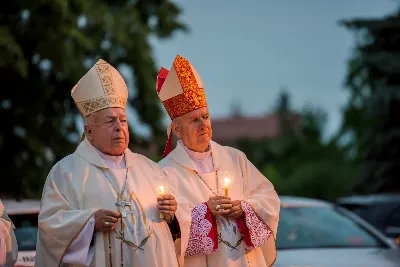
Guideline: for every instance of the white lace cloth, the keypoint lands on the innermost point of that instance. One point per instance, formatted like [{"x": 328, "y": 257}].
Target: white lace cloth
[
  {"x": 259, "y": 232},
  {"x": 199, "y": 241}
]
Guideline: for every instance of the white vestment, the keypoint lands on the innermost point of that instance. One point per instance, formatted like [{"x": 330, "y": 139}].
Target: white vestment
[
  {"x": 8, "y": 242},
  {"x": 260, "y": 203},
  {"x": 82, "y": 183}
]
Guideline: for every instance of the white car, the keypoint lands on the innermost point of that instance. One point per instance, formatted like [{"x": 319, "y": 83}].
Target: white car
[
  {"x": 316, "y": 233},
  {"x": 24, "y": 215}
]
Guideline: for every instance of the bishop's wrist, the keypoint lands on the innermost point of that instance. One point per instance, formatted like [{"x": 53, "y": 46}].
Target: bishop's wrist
[{"x": 169, "y": 219}]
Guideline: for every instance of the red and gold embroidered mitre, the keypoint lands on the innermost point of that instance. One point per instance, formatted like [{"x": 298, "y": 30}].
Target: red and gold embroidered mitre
[
  {"x": 100, "y": 88},
  {"x": 181, "y": 91}
]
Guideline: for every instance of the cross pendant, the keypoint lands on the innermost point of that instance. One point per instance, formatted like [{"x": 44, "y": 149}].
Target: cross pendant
[
  {"x": 126, "y": 212},
  {"x": 122, "y": 204}
]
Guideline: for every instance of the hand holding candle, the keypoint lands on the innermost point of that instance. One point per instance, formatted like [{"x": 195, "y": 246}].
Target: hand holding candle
[
  {"x": 162, "y": 187},
  {"x": 167, "y": 206}
]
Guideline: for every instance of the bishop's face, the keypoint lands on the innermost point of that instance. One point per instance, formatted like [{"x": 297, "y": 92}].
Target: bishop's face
[
  {"x": 107, "y": 130},
  {"x": 194, "y": 129}
]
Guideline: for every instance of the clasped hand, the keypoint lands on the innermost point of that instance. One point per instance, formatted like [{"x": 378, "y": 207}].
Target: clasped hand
[{"x": 224, "y": 206}]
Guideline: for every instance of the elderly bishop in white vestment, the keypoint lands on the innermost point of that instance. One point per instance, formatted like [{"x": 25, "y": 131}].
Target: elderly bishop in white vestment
[
  {"x": 100, "y": 208},
  {"x": 227, "y": 229}
]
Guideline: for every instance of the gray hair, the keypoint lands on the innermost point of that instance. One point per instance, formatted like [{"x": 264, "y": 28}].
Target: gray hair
[
  {"x": 177, "y": 120},
  {"x": 89, "y": 119}
]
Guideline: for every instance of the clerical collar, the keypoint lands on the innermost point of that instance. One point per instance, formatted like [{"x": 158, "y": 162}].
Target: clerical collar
[
  {"x": 197, "y": 155},
  {"x": 116, "y": 159}
]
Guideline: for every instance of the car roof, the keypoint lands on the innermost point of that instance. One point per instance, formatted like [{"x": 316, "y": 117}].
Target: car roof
[
  {"x": 292, "y": 201},
  {"x": 25, "y": 206},
  {"x": 370, "y": 199}
]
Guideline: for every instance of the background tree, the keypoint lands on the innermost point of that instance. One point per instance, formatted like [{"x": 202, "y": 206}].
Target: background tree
[
  {"x": 298, "y": 161},
  {"x": 371, "y": 117},
  {"x": 283, "y": 104},
  {"x": 236, "y": 109},
  {"x": 45, "y": 48}
]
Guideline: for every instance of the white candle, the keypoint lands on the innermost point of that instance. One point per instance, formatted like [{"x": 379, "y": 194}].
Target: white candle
[
  {"x": 227, "y": 182},
  {"x": 161, "y": 192}
]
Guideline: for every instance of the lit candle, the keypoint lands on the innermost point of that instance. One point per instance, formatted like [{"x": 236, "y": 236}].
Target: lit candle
[
  {"x": 161, "y": 192},
  {"x": 227, "y": 182}
]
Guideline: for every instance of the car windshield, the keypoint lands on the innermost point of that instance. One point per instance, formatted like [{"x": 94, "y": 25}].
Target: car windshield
[
  {"x": 26, "y": 230},
  {"x": 320, "y": 227}
]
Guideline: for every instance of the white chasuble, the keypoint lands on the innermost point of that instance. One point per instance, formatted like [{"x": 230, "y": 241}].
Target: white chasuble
[
  {"x": 219, "y": 242},
  {"x": 78, "y": 186}
]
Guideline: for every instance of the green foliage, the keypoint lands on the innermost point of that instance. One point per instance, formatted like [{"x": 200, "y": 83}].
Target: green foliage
[
  {"x": 371, "y": 115},
  {"x": 298, "y": 162},
  {"x": 45, "y": 48}
]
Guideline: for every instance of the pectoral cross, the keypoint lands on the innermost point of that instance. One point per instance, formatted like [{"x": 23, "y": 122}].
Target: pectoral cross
[
  {"x": 122, "y": 203},
  {"x": 127, "y": 220}
]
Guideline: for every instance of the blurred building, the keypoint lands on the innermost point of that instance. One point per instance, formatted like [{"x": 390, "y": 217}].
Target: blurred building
[{"x": 228, "y": 130}]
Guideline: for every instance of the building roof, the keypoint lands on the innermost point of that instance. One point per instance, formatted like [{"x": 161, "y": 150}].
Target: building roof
[{"x": 234, "y": 128}]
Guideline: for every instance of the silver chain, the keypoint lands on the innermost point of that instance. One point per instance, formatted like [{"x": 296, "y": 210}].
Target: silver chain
[
  {"x": 123, "y": 188},
  {"x": 216, "y": 174}
]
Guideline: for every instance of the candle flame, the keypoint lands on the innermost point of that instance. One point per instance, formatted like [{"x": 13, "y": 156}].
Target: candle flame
[
  {"x": 227, "y": 181},
  {"x": 161, "y": 190}
]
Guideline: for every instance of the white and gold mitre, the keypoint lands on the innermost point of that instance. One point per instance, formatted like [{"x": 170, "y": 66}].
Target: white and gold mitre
[{"x": 101, "y": 87}]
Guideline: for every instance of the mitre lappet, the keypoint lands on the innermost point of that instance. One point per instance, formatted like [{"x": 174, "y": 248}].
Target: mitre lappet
[
  {"x": 181, "y": 91},
  {"x": 100, "y": 88}
]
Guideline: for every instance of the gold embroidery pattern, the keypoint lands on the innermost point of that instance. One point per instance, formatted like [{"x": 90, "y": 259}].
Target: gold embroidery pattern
[
  {"x": 185, "y": 102},
  {"x": 120, "y": 234},
  {"x": 105, "y": 75},
  {"x": 110, "y": 98},
  {"x": 220, "y": 240},
  {"x": 92, "y": 105},
  {"x": 185, "y": 74}
]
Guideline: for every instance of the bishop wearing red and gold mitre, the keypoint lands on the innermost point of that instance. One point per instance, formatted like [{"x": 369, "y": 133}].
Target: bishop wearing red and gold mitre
[{"x": 234, "y": 209}]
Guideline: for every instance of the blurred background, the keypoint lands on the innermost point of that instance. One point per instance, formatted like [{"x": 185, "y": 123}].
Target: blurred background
[{"x": 308, "y": 89}]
